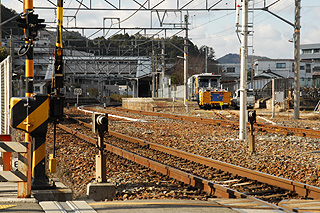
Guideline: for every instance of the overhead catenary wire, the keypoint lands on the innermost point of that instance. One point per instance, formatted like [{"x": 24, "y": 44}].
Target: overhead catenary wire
[
  {"x": 66, "y": 8},
  {"x": 126, "y": 18},
  {"x": 76, "y": 12},
  {"x": 231, "y": 28}
]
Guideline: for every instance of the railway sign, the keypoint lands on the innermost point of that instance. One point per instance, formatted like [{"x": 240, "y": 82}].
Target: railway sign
[{"x": 77, "y": 91}]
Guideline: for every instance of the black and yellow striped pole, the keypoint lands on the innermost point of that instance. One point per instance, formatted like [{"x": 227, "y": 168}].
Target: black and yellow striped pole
[
  {"x": 36, "y": 107},
  {"x": 57, "y": 98},
  {"x": 58, "y": 77},
  {"x": 27, "y": 7}
]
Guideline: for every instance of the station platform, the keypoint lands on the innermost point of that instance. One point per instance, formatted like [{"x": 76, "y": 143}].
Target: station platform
[
  {"x": 10, "y": 203},
  {"x": 132, "y": 206}
]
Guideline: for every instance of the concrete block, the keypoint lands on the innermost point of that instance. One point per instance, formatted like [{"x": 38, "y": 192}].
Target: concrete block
[
  {"x": 60, "y": 193},
  {"x": 101, "y": 191}
]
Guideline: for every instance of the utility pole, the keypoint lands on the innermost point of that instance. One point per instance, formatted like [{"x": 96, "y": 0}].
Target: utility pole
[
  {"x": 153, "y": 72},
  {"x": 11, "y": 47},
  {"x": 296, "y": 25},
  {"x": 273, "y": 97},
  {"x": 57, "y": 98},
  {"x": 185, "y": 61},
  {"x": 297, "y": 59},
  {"x": 163, "y": 66},
  {"x": 243, "y": 73},
  {"x": 34, "y": 126},
  {"x": 29, "y": 73},
  {"x": 0, "y": 24},
  {"x": 206, "y": 60},
  {"x": 156, "y": 75}
]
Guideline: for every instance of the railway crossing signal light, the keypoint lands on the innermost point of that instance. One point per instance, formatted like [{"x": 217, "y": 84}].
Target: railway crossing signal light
[
  {"x": 58, "y": 77},
  {"x": 22, "y": 22},
  {"x": 31, "y": 23}
]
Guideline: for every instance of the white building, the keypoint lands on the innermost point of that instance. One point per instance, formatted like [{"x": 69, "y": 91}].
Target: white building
[
  {"x": 230, "y": 71},
  {"x": 311, "y": 52},
  {"x": 285, "y": 68}
]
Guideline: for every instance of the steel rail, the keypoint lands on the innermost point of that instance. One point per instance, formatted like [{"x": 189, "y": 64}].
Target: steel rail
[
  {"x": 301, "y": 189},
  {"x": 219, "y": 115},
  {"x": 198, "y": 182},
  {"x": 234, "y": 124}
]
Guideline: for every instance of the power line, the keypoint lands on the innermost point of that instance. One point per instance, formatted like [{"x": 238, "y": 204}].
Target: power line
[
  {"x": 212, "y": 20},
  {"x": 76, "y": 12},
  {"x": 66, "y": 8},
  {"x": 132, "y": 13},
  {"x": 125, "y": 18}
]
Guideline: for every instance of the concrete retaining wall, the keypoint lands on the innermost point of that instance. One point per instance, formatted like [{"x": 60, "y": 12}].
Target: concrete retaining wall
[
  {"x": 153, "y": 104},
  {"x": 145, "y": 104}
]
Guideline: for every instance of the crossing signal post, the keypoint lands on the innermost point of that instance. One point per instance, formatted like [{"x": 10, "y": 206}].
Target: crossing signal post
[
  {"x": 31, "y": 114},
  {"x": 57, "y": 98}
]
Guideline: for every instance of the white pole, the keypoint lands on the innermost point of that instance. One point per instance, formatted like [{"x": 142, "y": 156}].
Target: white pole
[
  {"x": 243, "y": 74},
  {"x": 163, "y": 66},
  {"x": 297, "y": 27},
  {"x": 185, "y": 61},
  {"x": 77, "y": 99},
  {"x": 137, "y": 87},
  {"x": 206, "y": 60},
  {"x": 273, "y": 97}
]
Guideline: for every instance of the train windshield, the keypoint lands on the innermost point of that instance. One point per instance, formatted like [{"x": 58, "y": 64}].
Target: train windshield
[
  {"x": 250, "y": 93},
  {"x": 204, "y": 83},
  {"x": 214, "y": 83}
]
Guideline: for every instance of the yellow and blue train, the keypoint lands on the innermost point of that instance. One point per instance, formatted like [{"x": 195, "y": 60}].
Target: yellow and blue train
[{"x": 207, "y": 90}]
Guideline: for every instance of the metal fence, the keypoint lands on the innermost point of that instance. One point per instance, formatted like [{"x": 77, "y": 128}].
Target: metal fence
[
  {"x": 263, "y": 87},
  {"x": 6, "y": 93}
]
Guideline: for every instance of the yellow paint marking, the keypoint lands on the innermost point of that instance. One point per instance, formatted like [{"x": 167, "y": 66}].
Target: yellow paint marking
[
  {"x": 137, "y": 203},
  {"x": 6, "y": 206},
  {"x": 36, "y": 118},
  {"x": 39, "y": 154}
]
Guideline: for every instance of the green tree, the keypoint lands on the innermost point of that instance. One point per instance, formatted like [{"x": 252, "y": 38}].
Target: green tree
[{"x": 3, "y": 53}]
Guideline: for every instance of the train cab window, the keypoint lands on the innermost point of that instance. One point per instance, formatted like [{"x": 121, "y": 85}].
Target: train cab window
[
  {"x": 204, "y": 83},
  {"x": 214, "y": 83},
  {"x": 250, "y": 93}
]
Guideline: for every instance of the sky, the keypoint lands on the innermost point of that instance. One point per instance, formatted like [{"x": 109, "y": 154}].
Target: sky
[{"x": 215, "y": 29}]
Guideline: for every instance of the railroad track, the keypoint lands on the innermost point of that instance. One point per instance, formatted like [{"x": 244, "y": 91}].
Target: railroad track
[
  {"x": 219, "y": 115},
  {"x": 269, "y": 187},
  {"x": 232, "y": 124}
]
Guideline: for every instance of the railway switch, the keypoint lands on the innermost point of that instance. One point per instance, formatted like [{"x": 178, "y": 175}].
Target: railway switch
[{"x": 252, "y": 118}]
